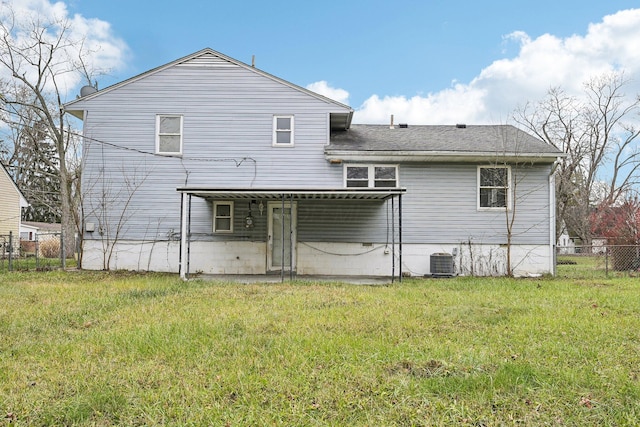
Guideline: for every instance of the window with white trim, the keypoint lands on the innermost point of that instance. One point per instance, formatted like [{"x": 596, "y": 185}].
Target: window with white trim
[
  {"x": 169, "y": 134},
  {"x": 371, "y": 176},
  {"x": 493, "y": 187},
  {"x": 283, "y": 131},
  {"x": 223, "y": 217}
]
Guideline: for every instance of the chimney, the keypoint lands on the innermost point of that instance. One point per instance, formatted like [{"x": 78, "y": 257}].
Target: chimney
[{"x": 391, "y": 125}]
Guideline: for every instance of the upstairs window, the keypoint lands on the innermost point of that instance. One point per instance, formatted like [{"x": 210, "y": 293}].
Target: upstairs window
[
  {"x": 371, "y": 176},
  {"x": 169, "y": 134},
  {"x": 283, "y": 131},
  {"x": 223, "y": 217},
  {"x": 493, "y": 187}
]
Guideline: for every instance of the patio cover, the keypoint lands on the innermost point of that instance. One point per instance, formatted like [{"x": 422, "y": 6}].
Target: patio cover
[{"x": 285, "y": 195}]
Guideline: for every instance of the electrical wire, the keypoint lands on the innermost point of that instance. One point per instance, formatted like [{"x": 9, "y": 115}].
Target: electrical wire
[
  {"x": 238, "y": 161},
  {"x": 342, "y": 254}
]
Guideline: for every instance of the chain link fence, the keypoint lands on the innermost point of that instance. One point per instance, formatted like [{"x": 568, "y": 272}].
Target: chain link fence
[
  {"x": 599, "y": 260},
  {"x": 45, "y": 251},
  {"x": 42, "y": 253}
]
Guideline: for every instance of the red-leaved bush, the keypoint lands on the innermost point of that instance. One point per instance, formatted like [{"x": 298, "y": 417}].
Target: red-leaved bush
[{"x": 620, "y": 226}]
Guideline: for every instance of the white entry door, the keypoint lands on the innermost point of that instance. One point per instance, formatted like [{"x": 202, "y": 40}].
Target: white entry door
[{"x": 281, "y": 246}]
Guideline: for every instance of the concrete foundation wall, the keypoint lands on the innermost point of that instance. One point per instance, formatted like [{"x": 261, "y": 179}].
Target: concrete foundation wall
[{"x": 315, "y": 258}]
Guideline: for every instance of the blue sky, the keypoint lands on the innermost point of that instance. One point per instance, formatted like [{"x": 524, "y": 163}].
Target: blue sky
[{"x": 427, "y": 62}]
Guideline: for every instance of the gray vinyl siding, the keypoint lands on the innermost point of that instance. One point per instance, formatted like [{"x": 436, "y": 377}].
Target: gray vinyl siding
[
  {"x": 440, "y": 206},
  {"x": 227, "y": 142},
  {"x": 347, "y": 221}
]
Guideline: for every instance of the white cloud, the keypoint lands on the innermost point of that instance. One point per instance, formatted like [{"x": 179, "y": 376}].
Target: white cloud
[
  {"x": 542, "y": 63},
  {"x": 459, "y": 104},
  {"x": 323, "y": 88},
  {"x": 106, "y": 52}
]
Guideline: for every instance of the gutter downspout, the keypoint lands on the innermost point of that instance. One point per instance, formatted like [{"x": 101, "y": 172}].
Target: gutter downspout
[
  {"x": 400, "y": 236},
  {"x": 552, "y": 217},
  {"x": 188, "y": 236}
]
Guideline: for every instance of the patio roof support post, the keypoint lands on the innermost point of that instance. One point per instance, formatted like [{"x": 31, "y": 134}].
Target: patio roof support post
[
  {"x": 183, "y": 236},
  {"x": 291, "y": 237},
  {"x": 282, "y": 240},
  {"x": 393, "y": 239},
  {"x": 400, "y": 237},
  {"x": 188, "y": 237}
]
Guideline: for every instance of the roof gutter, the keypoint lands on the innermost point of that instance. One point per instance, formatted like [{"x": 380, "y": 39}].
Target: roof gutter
[{"x": 437, "y": 156}]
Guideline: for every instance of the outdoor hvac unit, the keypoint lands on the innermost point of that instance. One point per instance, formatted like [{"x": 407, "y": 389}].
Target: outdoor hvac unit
[{"x": 441, "y": 265}]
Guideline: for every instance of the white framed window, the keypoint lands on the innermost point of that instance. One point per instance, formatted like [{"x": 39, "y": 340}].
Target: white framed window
[
  {"x": 494, "y": 184},
  {"x": 222, "y": 217},
  {"x": 371, "y": 176},
  {"x": 283, "y": 131},
  {"x": 169, "y": 134}
]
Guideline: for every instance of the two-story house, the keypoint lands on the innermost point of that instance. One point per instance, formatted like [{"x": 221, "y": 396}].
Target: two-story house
[{"x": 207, "y": 164}]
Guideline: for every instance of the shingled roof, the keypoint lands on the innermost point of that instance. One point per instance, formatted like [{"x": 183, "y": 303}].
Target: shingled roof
[{"x": 439, "y": 142}]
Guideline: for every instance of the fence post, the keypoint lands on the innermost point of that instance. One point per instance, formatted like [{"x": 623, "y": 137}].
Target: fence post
[
  {"x": 10, "y": 247},
  {"x": 606, "y": 262},
  {"x": 63, "y": 257},
  {"x": 37, "y": 248}
]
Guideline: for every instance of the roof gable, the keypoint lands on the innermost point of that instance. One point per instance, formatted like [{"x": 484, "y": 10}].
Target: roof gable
[
  {"x": 205, "y": 58},
  {"x": 5, "y": 172}
]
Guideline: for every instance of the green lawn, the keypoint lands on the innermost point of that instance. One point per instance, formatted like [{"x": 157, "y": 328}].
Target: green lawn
[
  {"x": 577, "y": 266},
  {"x": 83, "y": 348}
]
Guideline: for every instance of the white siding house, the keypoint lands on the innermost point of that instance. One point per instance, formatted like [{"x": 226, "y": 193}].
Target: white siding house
[{"x": 11, "y": 203}]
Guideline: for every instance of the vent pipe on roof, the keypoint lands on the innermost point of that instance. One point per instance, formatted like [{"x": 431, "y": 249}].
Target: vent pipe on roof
[
  {"x": 391, "y": 125},
  {"x": 253, "y": 61}
]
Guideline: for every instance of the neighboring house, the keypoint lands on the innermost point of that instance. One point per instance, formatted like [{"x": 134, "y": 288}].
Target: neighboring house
[
  {"x": 29, "y": 230},
  {"x": 11, "y": 203},
  {"x": 566, "y": 245},
  {"x": 210, "y": 165},
  {"x": 33, "y": 233}
]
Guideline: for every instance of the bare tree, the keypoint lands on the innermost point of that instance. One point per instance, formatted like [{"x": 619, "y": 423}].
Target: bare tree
[
  {"x": 38, "y": 54},
  {"x": 510, "y": 173},
  {"x": 598, "y": 137},
  {"x": 113, "y": 208}
]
